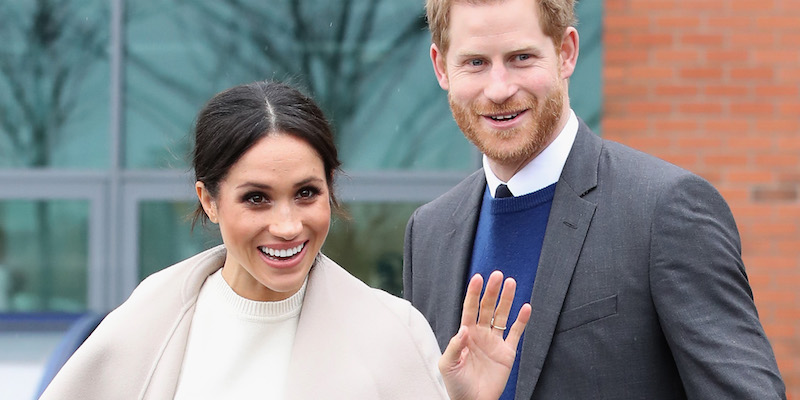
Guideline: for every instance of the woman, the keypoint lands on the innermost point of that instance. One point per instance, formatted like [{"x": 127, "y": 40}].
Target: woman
[{"x": 266, "y": 315}]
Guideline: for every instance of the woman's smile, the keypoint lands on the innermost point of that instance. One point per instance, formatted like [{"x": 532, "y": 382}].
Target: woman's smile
[
  {"x": 281, "y": 257},
  {"x": 282, "y": 253}
]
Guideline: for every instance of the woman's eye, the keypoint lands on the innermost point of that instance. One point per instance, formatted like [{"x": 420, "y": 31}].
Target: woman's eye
[
  {"x": 256, "y": 199},
  {"x": 307, "y": 193}
]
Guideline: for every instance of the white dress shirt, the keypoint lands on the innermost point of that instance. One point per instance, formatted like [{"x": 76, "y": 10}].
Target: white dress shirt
[{"x": 542, "y": 171}]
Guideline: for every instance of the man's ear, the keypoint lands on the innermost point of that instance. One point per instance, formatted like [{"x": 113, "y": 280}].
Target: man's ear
[
  {"x": 440, "y": 67},
  {"x": 206, "y": 201},
  {"x": 570, "y": 45}
]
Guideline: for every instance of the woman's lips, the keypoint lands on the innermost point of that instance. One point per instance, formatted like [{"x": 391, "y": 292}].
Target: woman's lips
[{"x": 284, "y": 257}]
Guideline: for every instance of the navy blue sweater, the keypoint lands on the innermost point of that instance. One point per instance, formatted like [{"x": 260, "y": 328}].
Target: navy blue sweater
[{"x": 509, "y": 238}]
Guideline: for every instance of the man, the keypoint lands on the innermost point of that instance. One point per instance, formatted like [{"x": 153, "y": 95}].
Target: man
[{"x": 632, "y": 265}]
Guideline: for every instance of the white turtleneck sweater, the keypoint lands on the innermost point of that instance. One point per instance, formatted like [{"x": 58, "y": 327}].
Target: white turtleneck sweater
[{"x": 238, "y": 348}]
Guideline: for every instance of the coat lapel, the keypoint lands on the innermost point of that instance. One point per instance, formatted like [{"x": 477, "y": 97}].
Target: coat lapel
[
  {"x": 355, "y": 342},
  {"x": 570, "y": 217},
  {"x": 163, "y": 380},
  {"x": 313, "y": 366}
]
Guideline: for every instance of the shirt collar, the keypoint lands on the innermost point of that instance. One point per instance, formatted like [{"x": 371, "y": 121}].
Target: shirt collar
[{"x": 542, "y": 171}]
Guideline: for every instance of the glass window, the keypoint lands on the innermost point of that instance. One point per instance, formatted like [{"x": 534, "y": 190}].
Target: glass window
[
  {"x": 54, "y": 84},
  {"x": 43, "y": 255},
  {"x": 366, "y": 62},
  {"x": 166, "y": 236},
  {"x": 586, "y": 84},
  {"x": 369, "y": 242}
]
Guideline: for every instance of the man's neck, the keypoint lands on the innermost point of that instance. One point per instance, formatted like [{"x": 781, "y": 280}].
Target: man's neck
[{"x": 504, "y": 170}]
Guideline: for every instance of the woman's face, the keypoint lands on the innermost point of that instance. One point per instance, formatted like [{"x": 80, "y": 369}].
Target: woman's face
[{"x": 273, "y": 210}]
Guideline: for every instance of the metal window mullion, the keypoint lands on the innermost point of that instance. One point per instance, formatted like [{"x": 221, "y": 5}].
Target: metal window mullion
[
  {"x": 113, "y": 274},
  {"x": 97, "y": 243},
  {"x": 396, "y": 186}
]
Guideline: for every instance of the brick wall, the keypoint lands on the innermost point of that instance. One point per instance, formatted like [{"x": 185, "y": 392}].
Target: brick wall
[{"x": 714, "y": 86}]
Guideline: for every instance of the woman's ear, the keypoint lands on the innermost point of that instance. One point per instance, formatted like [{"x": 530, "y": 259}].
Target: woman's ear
[{"x": 209, "y": 206}]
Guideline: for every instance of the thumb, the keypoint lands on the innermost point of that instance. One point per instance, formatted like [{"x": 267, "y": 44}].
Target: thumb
[{"x": 451, "y": 357}]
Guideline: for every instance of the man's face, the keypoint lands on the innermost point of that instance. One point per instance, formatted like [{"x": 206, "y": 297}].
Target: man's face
[{"x": 506, "y": 82}]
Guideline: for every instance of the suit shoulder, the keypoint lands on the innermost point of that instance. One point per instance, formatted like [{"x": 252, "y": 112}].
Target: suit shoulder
[
  {"x": 631, "y": 163},
  {"x": 642, "y": 181},
  {"x": 454, "y": 197}
]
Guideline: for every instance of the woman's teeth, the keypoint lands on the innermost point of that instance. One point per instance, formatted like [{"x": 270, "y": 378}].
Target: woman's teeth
[{"x": 284, "y": 253}]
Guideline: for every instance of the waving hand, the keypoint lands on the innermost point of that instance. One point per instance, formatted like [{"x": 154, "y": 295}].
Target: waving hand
[{"x": 477, "y": 361}]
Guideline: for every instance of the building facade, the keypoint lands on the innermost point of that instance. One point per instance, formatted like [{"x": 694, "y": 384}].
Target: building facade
[{"x": 97, "y": 100}]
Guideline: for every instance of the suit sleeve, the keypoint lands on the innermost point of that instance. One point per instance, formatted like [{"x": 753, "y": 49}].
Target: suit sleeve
[
  {"x": 703, "y": 298},
  {"x": 407, "y": 261}
]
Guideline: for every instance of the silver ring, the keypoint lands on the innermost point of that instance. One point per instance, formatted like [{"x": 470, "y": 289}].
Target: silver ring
[{"x": 502, "y": 328}]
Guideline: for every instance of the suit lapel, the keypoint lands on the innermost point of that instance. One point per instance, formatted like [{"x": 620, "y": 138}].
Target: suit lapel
[
  {"x": 454, "y": 268},
  {"x": 570, "y": 217}
]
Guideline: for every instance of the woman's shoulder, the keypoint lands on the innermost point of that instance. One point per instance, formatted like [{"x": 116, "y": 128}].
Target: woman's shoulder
[
  {"x": 400, "y": 308},
  {"x": 383, "y": 334},
  {"x": 189, "y": 273},
  {"x": 387, "y": 314},
  {"x": 361, "y": 295},
  {"x": 130, "y": 337},
  {"x": 171, "y": 289}
]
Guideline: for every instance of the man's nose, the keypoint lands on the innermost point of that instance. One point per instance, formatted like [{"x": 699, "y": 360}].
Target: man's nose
[{"x": 500, "y": 87}]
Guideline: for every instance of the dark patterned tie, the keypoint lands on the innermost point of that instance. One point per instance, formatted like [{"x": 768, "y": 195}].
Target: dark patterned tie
[{"x": 502, "y": 192}]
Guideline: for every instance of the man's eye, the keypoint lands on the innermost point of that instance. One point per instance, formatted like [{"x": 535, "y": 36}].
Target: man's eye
[
  {"x": 523, "y": 57},
  {"x": 476, "y": 63}
]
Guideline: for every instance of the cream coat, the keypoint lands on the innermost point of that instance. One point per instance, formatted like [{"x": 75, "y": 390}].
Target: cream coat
[{"x": 353, "y": 341}]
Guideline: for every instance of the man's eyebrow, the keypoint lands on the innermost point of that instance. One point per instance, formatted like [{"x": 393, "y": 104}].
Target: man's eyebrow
[
  {"x": 527, "y": 49},
  {"x": 533, "y": 50}
]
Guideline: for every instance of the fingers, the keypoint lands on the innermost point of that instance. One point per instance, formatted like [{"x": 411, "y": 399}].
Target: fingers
[
  {"x": 489, "y": 300},
  {"x": 470, "y": 312},
  {"x": 504, "y": 306},
  {"x": 487, "y": 311},
  {"x": 519, "y": 326},
  {"x": 451, "y": 357}
]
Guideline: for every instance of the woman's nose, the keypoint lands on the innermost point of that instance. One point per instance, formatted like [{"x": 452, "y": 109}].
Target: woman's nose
[{"x": 286, "y": 224}]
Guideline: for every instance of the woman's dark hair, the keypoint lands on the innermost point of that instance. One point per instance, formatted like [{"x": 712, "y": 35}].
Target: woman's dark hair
[{"x": 235, "y": 119}]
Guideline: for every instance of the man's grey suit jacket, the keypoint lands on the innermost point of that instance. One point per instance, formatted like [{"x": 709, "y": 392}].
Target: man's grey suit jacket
[{"x": 640, "y": 293}]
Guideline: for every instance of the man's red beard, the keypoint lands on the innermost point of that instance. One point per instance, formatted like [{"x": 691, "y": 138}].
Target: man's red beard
[{"x": 534, "y": 136}]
